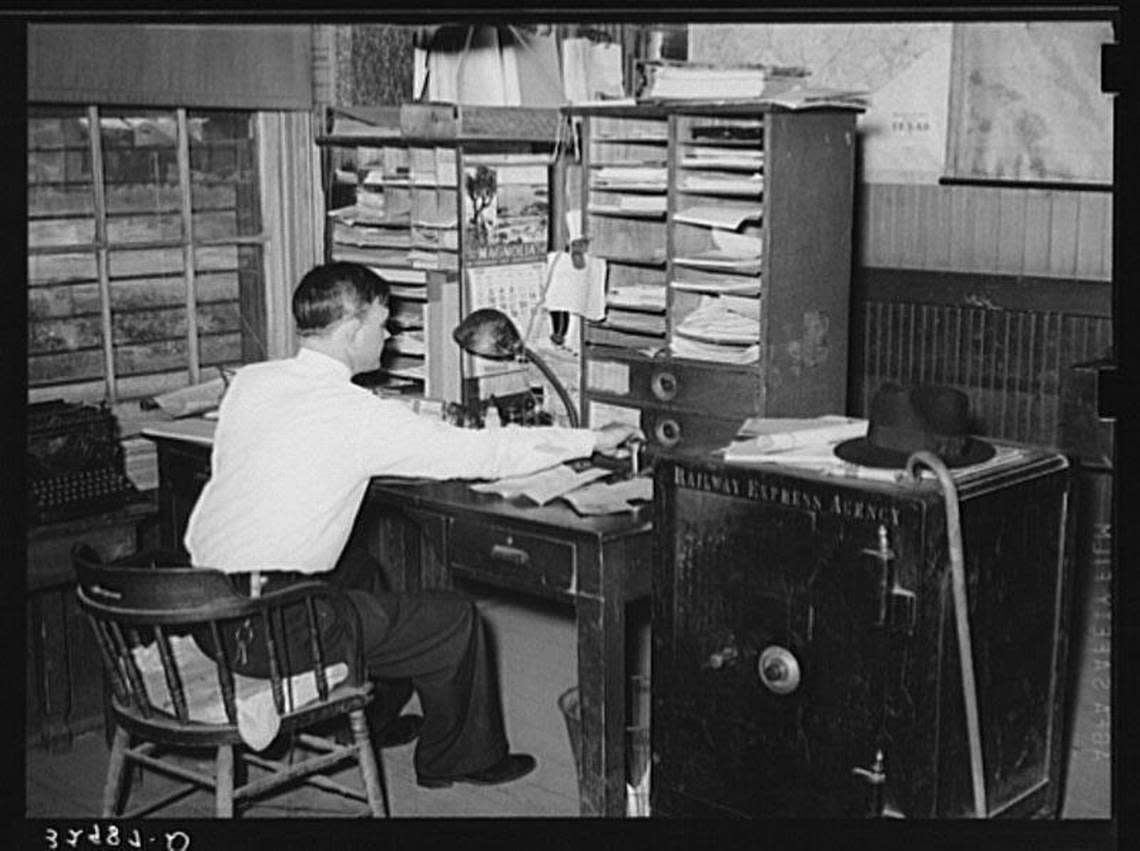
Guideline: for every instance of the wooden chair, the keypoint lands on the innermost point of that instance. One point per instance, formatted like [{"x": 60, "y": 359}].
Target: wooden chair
[{"x": 150, "y": 625}]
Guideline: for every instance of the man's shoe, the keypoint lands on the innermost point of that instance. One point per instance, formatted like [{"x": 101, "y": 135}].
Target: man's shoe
[
  {"x": 401, "y": 731},
  {"x": 511, "y": 767}
]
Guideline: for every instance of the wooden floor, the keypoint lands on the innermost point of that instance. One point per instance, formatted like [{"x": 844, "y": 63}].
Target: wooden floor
[
  {"x": 537, "y": 655},
  {"x": 537, "y": 652}
]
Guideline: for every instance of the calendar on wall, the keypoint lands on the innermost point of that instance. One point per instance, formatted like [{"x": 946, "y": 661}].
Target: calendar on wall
[{"x": 514, "y": 288}]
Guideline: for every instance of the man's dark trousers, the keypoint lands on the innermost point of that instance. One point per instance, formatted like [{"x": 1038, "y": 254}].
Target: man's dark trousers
[{"x": 437, "y": 640}]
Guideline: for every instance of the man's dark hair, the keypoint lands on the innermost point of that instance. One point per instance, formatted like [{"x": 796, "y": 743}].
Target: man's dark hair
[{"x": 335, "y": 291}]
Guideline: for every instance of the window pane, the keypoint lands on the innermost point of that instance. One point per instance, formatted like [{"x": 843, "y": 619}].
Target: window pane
[
  {"x": 140, "y": 164},
  {"x": 60, "y": 197},
  {"x": 148, "y": 310},
  {"x": 65, "y": 340},
  {"x": 223, "y": 166},
  {"x": 146, "y": 285},
  {"x": 226, "y": 335}
]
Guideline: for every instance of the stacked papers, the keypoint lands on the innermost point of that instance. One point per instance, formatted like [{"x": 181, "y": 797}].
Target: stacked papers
[
  {"x": 643, "y": 133},
  {"x": 406, "y": 315},
  {"x": 408, "y": 291},
  {"x": 639, "y": 178},
  {"x": 634, "y": 323},
  {"x": 723, "y": 261},
  {"x": 724, "y": 329},
  {"x": 742, "y": 286},
  {"x": 763, "y": 436},
  {"x": 371, "y": 256},
  {"x": 724, "y": 184},
  {"x": 723, "y": 158},
  {"x": 737, "y": 253},
  {"x": 344, "y": 234},
  {"x": 637, "y": 296},
  {"x": 426, "y": 259},
  {"x": 400, "y": 274},
  {"x": 690, "y": 80},
  {"x": 416, "y": 373},
  {"x": 630, "y": 205},
  {"x": 407, "y": 342},
  {"x": 611, "y": 498},
  {"x": 543, "y": 486},
  {"x": 811, "y": 446},
  {"x": 720, "y": 320},
  {"x": 698, "y": 281},
  {"x": 718, "y": 215},
  {"x": 686, "y": 348},
  {"x": 807, "y": 97},
  {"x": 363, "y": 214},
  {"x": 742, "y": 245}
]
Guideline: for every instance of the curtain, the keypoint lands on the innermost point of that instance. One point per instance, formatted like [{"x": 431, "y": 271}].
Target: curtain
[
  {"x": 214, "y": 65},
  {"x": 292, "y": 204}
]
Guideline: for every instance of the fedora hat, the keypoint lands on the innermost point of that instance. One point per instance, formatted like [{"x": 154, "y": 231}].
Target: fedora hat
[{"x": 907, "y": 419}]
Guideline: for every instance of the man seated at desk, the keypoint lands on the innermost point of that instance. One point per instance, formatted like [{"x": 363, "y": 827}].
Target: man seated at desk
[{"x": 295, "y": 446}]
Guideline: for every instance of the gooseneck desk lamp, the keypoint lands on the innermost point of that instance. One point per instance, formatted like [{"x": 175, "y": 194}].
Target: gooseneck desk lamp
[{"x": 490, "y": 333}]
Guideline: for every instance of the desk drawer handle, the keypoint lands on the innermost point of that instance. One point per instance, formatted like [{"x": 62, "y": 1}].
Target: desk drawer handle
[{"x": 511, "y": 555}]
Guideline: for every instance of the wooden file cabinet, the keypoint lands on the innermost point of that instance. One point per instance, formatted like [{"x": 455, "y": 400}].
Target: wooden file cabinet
[{"x": 667, "y": 187}]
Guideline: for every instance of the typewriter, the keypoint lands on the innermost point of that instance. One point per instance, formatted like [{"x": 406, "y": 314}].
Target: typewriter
[{"x": 75, "y": 462}]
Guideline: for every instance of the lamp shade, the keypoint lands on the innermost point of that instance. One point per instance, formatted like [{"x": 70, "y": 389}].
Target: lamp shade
[{"x": 489, "y": 333}]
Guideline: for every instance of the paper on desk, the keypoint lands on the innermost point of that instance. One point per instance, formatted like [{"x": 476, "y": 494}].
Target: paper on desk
[
  {"x": 817, "y": 458},
  {"x": 772, "y": 434},
  {"x": 543, "y": 486},
  {"x": 195, "y": 399},
  {"x": 192, "y": 430},
  {"x": 818, "y": 455},
  {"x": 611, "y": 498}
]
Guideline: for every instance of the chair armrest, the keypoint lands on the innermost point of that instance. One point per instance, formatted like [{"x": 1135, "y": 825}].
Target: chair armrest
[{"x": 317, "y": 589}]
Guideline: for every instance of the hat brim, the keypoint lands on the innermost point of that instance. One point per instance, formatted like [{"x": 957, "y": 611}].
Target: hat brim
[{"x": 859, "y": 451}]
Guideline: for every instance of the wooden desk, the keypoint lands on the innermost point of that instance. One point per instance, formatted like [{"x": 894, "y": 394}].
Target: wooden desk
[
  {"x": 426, "y": 534},
  {"x": 444, "y": 529}
]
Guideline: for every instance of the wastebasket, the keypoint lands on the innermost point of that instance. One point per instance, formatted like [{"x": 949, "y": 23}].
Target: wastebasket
[{"x": 636, "y": 743}]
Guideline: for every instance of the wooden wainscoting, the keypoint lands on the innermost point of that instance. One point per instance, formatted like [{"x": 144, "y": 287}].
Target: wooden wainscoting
[{"x": 1006, "y": 341}]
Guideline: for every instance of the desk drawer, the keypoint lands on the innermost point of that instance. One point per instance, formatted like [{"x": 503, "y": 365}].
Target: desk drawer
[{"x": 519, "y": 557}]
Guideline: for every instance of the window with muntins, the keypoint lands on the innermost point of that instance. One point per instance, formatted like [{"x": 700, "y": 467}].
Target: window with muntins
[{"x": 145, "y": 251}]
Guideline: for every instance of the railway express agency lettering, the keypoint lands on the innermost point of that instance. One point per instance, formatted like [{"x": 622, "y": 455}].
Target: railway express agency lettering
[{"x": 837, "y": 503}]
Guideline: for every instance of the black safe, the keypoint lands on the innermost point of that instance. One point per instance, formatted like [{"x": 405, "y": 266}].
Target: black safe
[{"x": 805, "y": 660}]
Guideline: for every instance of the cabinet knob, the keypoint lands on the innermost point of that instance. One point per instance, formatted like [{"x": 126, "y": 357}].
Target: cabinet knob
[
  {"x": 664, "y": 386},
  {"x": 778, "y": 669},
  {"x": 668, "y": 432}
]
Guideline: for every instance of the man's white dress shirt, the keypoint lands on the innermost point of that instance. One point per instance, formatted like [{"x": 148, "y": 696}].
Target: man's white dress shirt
[{"x": 296, "y": 444}]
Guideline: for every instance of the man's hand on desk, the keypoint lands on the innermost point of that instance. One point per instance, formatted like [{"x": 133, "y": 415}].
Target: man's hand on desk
[{"x": 610, "y": 439}]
